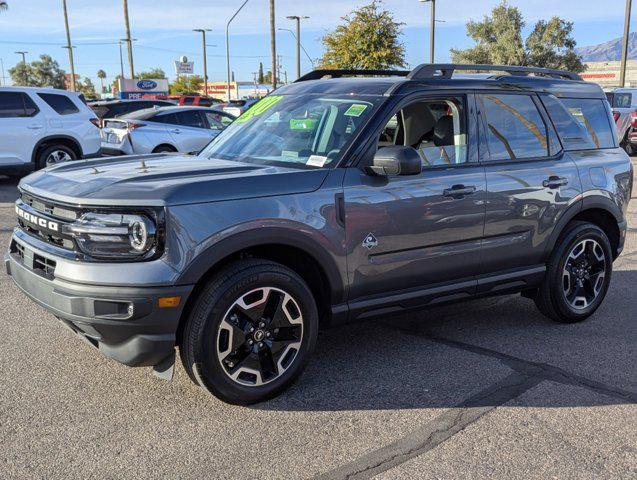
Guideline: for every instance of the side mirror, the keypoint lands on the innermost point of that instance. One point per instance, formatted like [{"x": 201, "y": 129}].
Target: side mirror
[{"x": 396, "y": 160}]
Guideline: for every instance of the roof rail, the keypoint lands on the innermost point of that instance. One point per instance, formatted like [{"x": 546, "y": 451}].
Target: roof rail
[
  {"x": 322, "y": 73},
  {"x": 428, "y": 71}
]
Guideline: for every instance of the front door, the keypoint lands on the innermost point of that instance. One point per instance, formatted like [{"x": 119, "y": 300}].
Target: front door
[{"x": 410, "y": 233}]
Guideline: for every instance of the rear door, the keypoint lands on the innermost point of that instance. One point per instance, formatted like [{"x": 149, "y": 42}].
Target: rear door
[
  {"x": 21, "y": 126},
  {"x": 531, "y": 181},
  {"x": 191, "y": 133}
]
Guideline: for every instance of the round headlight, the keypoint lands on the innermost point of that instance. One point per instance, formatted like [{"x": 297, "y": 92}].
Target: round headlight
[{"x": 139, "y": 236}]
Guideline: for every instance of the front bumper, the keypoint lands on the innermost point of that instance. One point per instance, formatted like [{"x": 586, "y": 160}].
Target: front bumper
[{"x": 124, "y": 323}]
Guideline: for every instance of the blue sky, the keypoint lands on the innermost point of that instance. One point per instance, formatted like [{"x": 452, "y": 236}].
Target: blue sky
[{"x": 163, "y": 29}]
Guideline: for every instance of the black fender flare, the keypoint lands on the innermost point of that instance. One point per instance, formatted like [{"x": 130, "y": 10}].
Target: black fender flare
[
  {"x": 589, "y": 202},
  {"x": 212, "y": 255},
  {"x": 55, "y": 137}
]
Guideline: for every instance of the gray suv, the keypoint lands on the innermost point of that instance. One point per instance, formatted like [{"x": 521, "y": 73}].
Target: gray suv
[{"x": 332, "y": 200}]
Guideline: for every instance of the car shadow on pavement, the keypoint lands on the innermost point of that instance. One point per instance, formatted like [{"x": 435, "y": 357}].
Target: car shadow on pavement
[
  {"x": 468, "y": 354},
  {"x": 8, "y": 189}
]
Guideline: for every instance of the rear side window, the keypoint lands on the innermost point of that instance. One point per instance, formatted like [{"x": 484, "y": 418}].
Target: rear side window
[
  {"x": 16, "y": 104},
  {"x": 622, "y": 100},
  {"x": 60, "y": 103},
  {"x": 573, "y": 134},
  {"x": 191, "y": 119},
  {"x": 169, "y": 118},
  {"x": 592, "y": 115},
  {"x": 515, "y": 129}
]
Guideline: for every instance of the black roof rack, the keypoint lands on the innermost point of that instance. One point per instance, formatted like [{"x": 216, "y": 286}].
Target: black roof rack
[
  {"x": 428, "y": 71},
  {"x": 322, "y": 73}
]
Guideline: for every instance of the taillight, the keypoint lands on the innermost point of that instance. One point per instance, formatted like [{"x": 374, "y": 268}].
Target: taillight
[
  {"x": 633, "y": 119},
  {"x": 615, "y": 115},
  {"x": 96, "y": 121},
  {"x": 133, "y": 125}
]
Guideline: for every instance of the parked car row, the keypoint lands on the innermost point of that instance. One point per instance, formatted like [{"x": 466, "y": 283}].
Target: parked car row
[{"x": 44, "y": 126}]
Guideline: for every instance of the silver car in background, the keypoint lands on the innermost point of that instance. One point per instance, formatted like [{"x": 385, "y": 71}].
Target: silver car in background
[{"x": 165, "y": 129}]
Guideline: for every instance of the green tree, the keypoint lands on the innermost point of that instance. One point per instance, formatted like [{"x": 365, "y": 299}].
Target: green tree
[
  {"x": 186, "y": 84},
  {"x": 498, "y": 40},
  {"x": 368, "y": 38},
  {"x": 261, "y": 77},
  {"x": 101, "y": 74},
  {"x": 44, "y": 72},
  {"x": 87, "y": 88},
  {"x": 21, "y": 75},
  {"x": 152, "y": 73}
]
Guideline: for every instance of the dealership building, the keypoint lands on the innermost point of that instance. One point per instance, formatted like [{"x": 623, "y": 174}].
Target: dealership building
[{"x": 607, "y": 74}]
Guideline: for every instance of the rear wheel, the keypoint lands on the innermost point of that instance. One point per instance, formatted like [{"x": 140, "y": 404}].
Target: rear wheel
[
  {"x": 251, "y": 332},
  {"x": 164, "y": 149},
  {"x": 578, "y": 274},
  {"x": 53, "y": 155}
]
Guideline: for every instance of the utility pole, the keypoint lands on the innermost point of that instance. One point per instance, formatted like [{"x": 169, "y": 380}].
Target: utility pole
[
  {"x": 205, "y": 65},
  {"x": 432, "y": 29},
  {"x": 622, "y": 72},
  {"x": 297, "y": 19},
  {"x": 23, "y": 56},
  {"x": 128, "y": 40},
  {"x": 69, "y": 47},
  {"x": 228, "y": 46},
  {"x": 273, "y": 44},
  {"x": 4, "y": 80}
]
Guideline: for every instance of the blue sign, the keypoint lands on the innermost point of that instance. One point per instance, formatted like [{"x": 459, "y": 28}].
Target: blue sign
[{"x": 147, "y": 84}]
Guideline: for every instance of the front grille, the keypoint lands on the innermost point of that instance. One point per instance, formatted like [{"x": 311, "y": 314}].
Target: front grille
[
  {"x": 61, "y": 214},
  {"x": 42, "y": 265}
]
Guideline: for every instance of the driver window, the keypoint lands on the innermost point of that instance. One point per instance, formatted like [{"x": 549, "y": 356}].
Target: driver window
[{"x": 436, "y": 128}]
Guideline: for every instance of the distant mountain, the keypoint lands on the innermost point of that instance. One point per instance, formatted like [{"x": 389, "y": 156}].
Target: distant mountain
[{"x": 609, "y": 51}]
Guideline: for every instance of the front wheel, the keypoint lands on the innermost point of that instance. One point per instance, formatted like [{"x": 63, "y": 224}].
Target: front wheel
[
  {"x": 578, "y": 274},
  {"x": 251, "y": 332}
]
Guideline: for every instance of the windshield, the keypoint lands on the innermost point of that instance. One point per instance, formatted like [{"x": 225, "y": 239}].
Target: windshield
[{"x": 297, "y": 130}]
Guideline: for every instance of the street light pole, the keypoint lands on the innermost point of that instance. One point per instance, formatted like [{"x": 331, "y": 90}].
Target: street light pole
[
  {"x": 23, "y": 56},
  {"x": 297, "y": 19},
  {"x": 273, "y": 44},
  {"x": 205, "y": 65},
  {"x": 432, "y": 29},
  {"x": 128, "y": 40},
  {"x": 121, "y": 60},
  {"x": 69, "y": 47},
  {"x": 622, "y": 72},
  {"x": 228, "y": 46}
]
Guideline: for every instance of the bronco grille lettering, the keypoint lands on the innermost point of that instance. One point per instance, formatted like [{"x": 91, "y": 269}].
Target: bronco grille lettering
[{"x": 40, "y": 222}]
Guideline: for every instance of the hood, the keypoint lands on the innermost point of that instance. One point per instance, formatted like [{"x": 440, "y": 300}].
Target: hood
[{"x": 166, "y": 179}]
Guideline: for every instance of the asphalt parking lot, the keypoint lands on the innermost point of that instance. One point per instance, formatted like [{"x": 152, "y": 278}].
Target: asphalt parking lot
[{"x": 484, "y": 389}]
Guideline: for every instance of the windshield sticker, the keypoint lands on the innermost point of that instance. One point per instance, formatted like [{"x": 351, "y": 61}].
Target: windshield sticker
[
  {"x": 356, "y": 110},
  {"x": 316, "y": 161},
  {"x": 259, "y": 107},
  {"x": 303, "y": 123},
  {"x": 290, "y": 155}
]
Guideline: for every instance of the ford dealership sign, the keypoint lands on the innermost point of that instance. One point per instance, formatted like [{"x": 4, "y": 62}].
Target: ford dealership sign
[
  {"x": 136, "y": 88},
  {"x": 147, "y": 84}
]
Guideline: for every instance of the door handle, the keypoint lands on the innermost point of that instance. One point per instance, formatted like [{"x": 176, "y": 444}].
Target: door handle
[
  {"x": 458, "y": 191},
  {"x": 35, "y": 127},
  {"x": 555, "y": 182},
  {"x": 176, "y": 130}
]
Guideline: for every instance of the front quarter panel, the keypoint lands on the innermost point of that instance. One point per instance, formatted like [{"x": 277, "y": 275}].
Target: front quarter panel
[{"x": 200, "y": 235}]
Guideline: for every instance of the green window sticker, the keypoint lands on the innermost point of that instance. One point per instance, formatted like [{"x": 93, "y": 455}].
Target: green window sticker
[
  {"x": 259, "y": 107},
  {"x": 356, "y": 110},
  {"x": 303, "y": 124}
]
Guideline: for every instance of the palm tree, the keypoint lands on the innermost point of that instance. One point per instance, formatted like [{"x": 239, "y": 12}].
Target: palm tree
[
  {"x": 101, "y": 74},
  {"x": 3, "y": 6}
]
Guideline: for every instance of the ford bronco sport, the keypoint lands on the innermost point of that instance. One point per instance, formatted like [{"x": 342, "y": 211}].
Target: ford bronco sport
[{"x": 331, "y": 200}]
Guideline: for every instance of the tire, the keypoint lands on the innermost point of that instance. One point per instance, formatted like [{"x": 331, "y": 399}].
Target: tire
[
  {"x": 164, "y": 149},
  {"x": 215, "y": 347},
  {"x": 54, "y": 154},
  {"x": 561, "y": 297}
]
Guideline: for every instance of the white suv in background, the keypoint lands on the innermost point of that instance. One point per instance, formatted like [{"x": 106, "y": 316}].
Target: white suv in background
[{"x": 42, "y": 126}]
